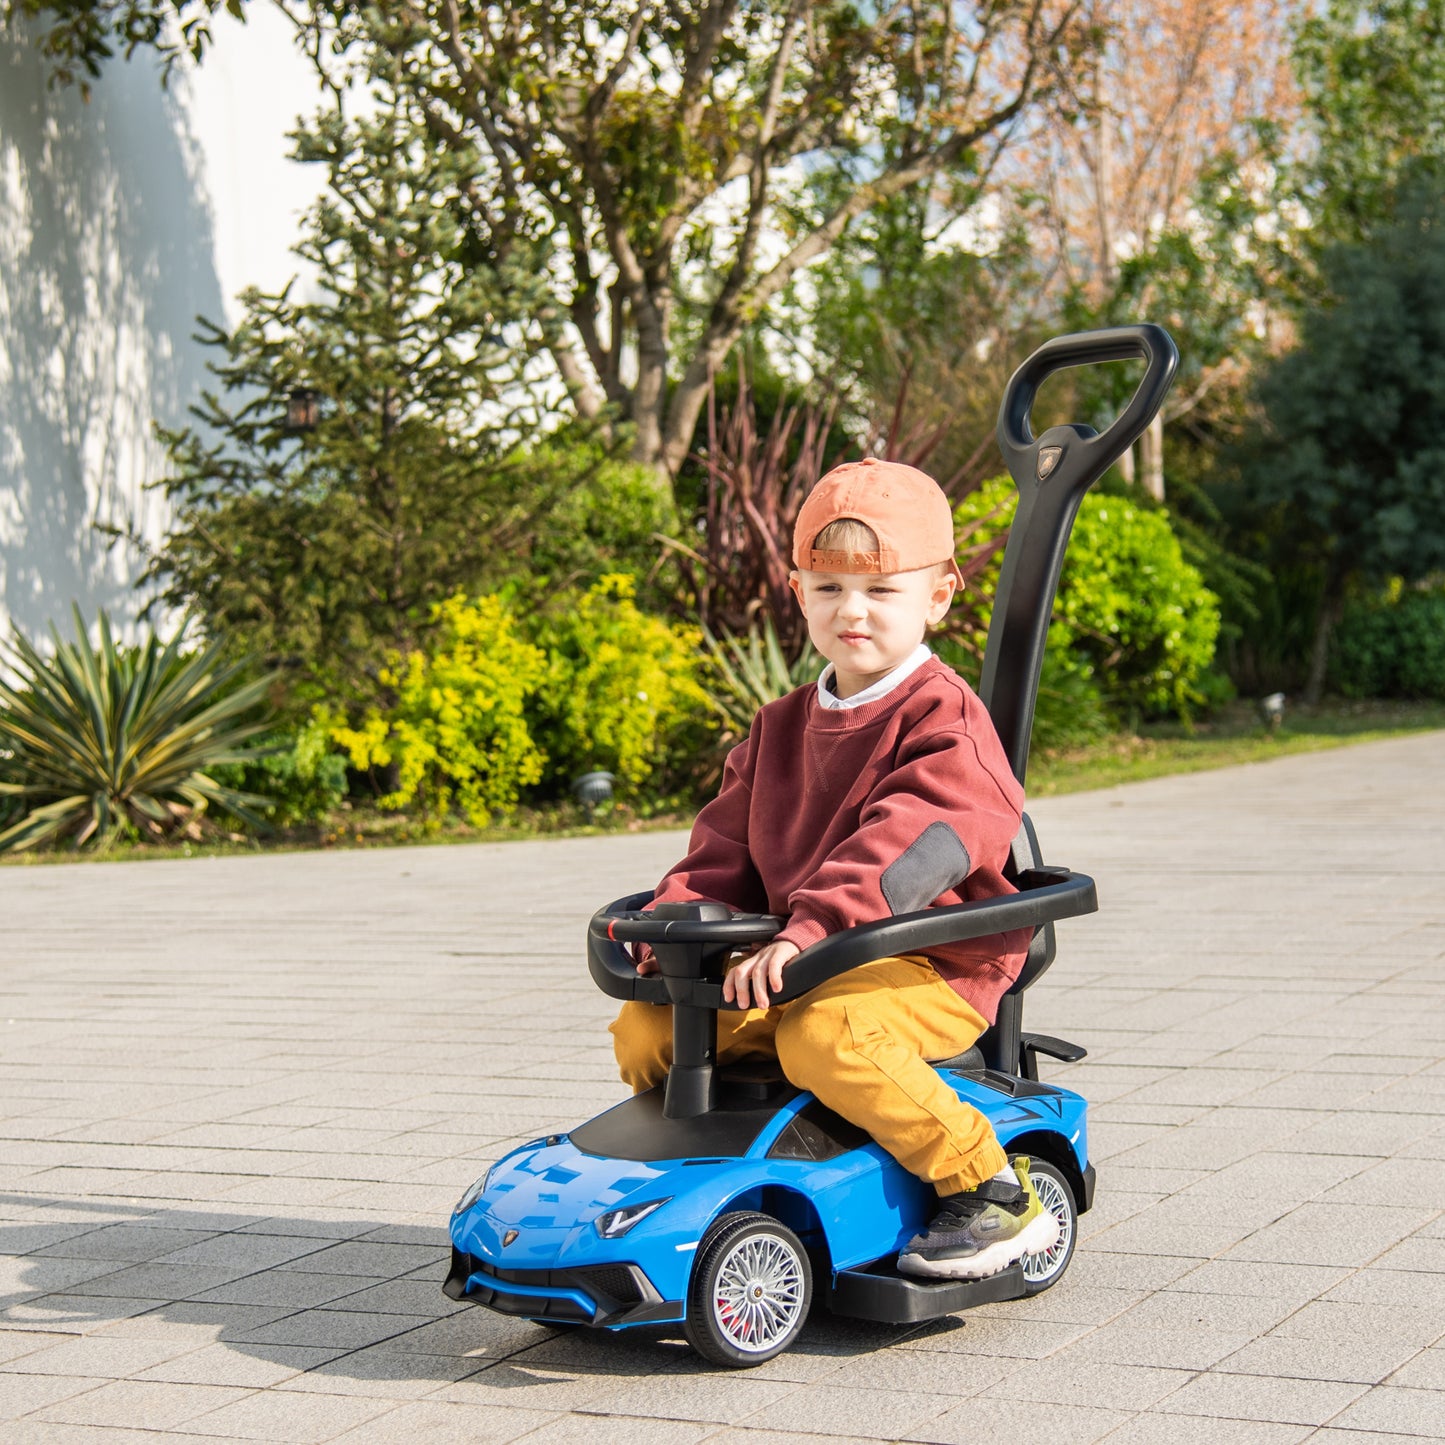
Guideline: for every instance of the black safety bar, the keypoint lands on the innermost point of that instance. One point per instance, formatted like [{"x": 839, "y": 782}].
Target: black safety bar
[{"x": 1045, "y": 896}]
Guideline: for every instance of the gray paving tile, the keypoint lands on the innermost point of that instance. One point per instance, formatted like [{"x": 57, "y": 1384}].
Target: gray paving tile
[
  {"x": 1065, "y": 1380},
  {"x": 835, "y": 1409},
  {"x": 22, "y": 1395},
  {"x": 1424, "y": 1371},
  {"x": 1393, "y": 1409},
  {"x": 328, "y": 1328},
  {"x": 140, "y": 1404},
  {"x": 106, "y": 1357},
  {"x": 1253, "y": 1397},
  {"x": 514, "y": 1382},
  {"x": 1330, "y": 1436},
  {"x": 292, "y": 1289},
  {"x": 384, "y": 1373},
  {"x": 1352, "y": 1361},
  {"x": 723, "y": 1398},
  {"x": 1002, "y": 1422},
  {"x": 1150, "y": 1429},
  {"x": 442, "y": 1423},
  {"x": 284, "y": 1416},
  {"x": 1191, "y": 1349},
  {"x": 223, "y": 1364}
]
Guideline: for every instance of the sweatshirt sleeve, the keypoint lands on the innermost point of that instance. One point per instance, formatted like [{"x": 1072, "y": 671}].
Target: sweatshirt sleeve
[
  {"x": 718, "y": 866},
  {"x": 941, "y": 814}
]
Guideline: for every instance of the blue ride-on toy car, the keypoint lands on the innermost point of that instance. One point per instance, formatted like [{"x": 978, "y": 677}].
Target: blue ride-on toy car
[{"x": 729, "y": 1202}]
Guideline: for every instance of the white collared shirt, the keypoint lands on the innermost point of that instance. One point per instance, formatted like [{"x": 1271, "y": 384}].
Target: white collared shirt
[{"x": 905, "y": 669}]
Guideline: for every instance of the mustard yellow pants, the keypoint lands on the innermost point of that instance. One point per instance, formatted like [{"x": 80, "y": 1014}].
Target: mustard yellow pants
[{"x": 861, "y": 1043}]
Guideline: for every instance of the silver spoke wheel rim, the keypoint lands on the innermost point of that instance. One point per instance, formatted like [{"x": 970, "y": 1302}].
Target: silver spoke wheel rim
[
  {"x": 1042, "y": 1265},
  {"x": 758, "y": 1295}
]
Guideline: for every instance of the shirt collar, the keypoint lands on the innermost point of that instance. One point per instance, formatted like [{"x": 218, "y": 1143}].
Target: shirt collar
[{"x": 905, "y": 669}]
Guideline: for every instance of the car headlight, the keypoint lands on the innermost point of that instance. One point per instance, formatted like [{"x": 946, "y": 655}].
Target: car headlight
[
  {"x": 616, "y": 1222},
  {"x": 474, "y": 1192}
]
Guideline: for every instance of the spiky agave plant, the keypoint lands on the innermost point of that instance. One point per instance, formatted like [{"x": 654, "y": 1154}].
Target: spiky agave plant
[
  {"x": 751, "y": 670},
  {"x": 95, "y": 740}
]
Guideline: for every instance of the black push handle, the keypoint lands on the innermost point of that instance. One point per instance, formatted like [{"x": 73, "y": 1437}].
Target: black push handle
[
  {"x": 1094, "y": 454},
  {"x": 1052, "y": 473}
]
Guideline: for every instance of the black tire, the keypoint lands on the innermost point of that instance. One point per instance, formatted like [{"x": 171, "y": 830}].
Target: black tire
[
  {"x": 751, "y": 1260},
  {"x": 1043, "y": 1270}
]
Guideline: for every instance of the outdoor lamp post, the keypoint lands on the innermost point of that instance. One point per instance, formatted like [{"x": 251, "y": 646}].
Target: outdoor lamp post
[
  {"x": 303, "y": 410},
  {"x": 1271, "y": 710},
  {"x": 593, "y": 789}
]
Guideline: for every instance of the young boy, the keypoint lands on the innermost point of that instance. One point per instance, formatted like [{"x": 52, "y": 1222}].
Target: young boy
[{"x": 881, "y": 790}]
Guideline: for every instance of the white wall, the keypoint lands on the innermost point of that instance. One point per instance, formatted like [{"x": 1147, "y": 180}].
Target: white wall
[{"x": 121, "y": 220}]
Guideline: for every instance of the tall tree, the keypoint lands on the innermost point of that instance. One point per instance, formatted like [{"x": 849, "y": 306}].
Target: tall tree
[
  {"x": 681, "y": 161},
  {"x": 1179, "y": 95},
  {"x": 327, "y": 543},
  {"x": 688, "y": 159},
  {"x": 1350, "y": 456},
  {"x": 1372, "y": 77}
]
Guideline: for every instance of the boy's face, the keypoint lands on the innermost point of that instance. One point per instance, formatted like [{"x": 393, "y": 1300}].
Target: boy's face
[{"x": 866, "y": 623}]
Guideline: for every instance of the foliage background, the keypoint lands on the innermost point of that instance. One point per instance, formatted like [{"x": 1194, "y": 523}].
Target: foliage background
[{"x": 549, "y": 237}]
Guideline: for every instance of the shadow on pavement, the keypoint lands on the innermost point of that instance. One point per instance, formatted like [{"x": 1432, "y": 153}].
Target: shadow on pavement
[{"x": 331, "y": 1297}]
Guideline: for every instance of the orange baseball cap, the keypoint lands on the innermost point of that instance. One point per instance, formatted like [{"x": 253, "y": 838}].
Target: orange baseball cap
[{"x": 905, "y": 508}]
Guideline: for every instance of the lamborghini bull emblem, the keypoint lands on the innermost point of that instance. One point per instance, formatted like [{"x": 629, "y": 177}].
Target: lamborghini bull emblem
[
  {"x": 508, "y": 1237},
  {"x": 1048, "y": 460}
]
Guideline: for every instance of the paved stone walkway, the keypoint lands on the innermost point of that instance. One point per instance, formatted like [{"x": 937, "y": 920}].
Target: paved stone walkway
[{"x": 240, "y": 1096}]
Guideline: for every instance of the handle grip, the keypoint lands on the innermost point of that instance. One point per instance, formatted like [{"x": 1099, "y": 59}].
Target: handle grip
[
  {"x": 615, "y": 972},
  {"x": 1088, "y": 452}
]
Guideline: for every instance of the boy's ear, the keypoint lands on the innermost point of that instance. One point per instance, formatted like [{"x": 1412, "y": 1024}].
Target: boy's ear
[
  {"x": 944, "y": 591},
  {"x": 795, "y": 582}
]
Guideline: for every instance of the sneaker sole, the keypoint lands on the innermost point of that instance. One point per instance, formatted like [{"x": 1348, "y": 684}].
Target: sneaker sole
[{"x": 1039, "y": 1234}]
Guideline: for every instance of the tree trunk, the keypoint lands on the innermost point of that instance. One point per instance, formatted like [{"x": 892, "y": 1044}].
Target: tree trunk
[
  {"x": 1126, "y": 466},
  {"x": 1151, "y": 458},
  {"x": 1332, "y": 604},
  {"x": 688, "y": 399},
  {"x": 647, "y": 418},
  {"x": 649, "y": 400}
]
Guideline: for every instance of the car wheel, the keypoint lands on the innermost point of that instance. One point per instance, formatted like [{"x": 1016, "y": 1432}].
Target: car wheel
[
  {"x": 1056, "y": 1194},
  {"x": 750, "y": 1291}
]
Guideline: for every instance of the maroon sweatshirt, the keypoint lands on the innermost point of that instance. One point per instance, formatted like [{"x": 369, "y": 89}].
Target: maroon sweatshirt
[{"x": 834, "y": 818}]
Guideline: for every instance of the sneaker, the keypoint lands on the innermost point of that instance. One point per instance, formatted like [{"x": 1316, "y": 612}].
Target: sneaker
[{"x": 981, "y": 1231}]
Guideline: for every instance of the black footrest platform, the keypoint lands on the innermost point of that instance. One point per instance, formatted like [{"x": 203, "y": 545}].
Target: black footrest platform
[{"x": 879, "y": 1292}]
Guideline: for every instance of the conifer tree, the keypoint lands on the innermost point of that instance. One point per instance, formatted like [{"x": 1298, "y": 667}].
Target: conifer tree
[{"x": 325, "y": 547}]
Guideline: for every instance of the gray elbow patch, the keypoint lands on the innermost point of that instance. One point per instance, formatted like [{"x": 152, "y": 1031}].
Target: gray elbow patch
[{"x": 934, "y": 863}]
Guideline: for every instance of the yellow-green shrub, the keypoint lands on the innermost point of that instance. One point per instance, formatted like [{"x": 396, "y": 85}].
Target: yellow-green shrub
[
  {"x": 459, "y": 733},
  {"x": 623, "y": 690}
]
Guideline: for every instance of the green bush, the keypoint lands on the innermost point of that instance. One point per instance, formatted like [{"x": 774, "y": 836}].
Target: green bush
[
  {"x": 1391, "y": 646},
  {"x": 458, "y": 733},
  {"x": 1129, "y": 605},
  {"x": 299, "y": 772},
  {"x": 1070, "y": 711},
  {"x": 624, "y": 690},
  {"x": 1137, "y": 609},
  {"x": 610, "y": 524}
]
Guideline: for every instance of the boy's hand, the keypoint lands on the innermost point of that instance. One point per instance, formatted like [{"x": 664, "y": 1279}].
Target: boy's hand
[
  {"x": 753, "y": 977},
  {"x": 644, "y": 958}
]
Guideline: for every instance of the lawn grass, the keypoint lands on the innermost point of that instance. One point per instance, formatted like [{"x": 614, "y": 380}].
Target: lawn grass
[{"x": 1234, "y": 735}]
